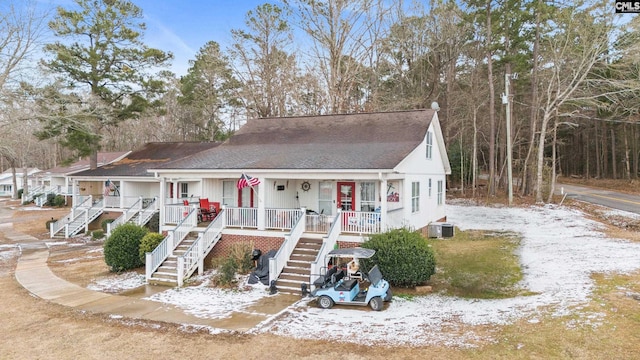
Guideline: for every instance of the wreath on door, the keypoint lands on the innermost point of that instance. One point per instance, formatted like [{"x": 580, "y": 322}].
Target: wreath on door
[{"x": 306, "y": 186}]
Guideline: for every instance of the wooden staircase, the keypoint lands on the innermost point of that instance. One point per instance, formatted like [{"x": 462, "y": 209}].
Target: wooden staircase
[
  {"x": 298, "y": 268},
  {"x": 167, "y": 273}
]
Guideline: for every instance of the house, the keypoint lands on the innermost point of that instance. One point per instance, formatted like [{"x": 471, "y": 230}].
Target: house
[
  {"x": 123, "y": 187},
  {"x": 317, "y": 181},
  {"x": 57, "y": 180},
  {"x": 6, "y": 180}
]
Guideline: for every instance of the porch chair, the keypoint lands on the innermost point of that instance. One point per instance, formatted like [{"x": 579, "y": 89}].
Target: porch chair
[{"x": 208, "y": 211}]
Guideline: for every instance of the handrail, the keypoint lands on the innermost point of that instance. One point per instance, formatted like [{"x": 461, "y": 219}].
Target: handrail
[
  {"x": 127, "y": 214},
  {"x": 147, "y": 212},
  {"x": 328, "y": 243},
  {"x": 154, "y": 259},
  {"x": 277, "y": 263},
  {"x": 194, "y": 256},
  {"x": 55, "y": 227}
]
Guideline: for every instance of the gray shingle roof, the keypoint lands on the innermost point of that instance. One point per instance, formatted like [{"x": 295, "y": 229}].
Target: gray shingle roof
[
  {"x": 351, "y": 141},
  {"x": 151, "y": 155}
]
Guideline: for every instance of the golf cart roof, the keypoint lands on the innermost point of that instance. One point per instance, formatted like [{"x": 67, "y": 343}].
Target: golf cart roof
[{"x": 360, "y": 253}]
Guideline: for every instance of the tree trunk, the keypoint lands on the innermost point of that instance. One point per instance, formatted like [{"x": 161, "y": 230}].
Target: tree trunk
[
  {"x": 552, "y": 188},
  {"x": 540, "y": 169},
  {"x": 614, "y": 170},
  {"x": 14, "y": 195},
  {"x": 492, "y": 110},
  {"x": 474, "y": 159},
  {"x": 598, "y": 162},
  {"x": 627, "y": 165},
  {"x": 527, "y": 176}
]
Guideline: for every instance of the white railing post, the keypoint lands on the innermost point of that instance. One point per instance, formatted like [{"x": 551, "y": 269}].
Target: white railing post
[
  {"x": 180, "y": 270},
  {"x": 147, "y": 270},
  {"x": 200, "y": 255}
]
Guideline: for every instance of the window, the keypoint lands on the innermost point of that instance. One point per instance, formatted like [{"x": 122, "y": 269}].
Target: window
[
  {"x": 368, "y": 196},
  {"x": 429, "y": 141},
  {"x": 228, "y": 192},
  {"x": 430, "y": 188},
  {"x": 440, "y": 192},
  {"x": 325, "y": 198},
  {"x": 184, "y": 190},
  {"x": 415, "y": 197}
]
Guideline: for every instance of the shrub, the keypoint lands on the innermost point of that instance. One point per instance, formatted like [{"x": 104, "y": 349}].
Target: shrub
[
  {"x": 122, "y": 248},
  {"x": 97, "y": 234},
  {"x": 227, "y": 272},
  {"x": 241, "y": 253},
  {"x": 404, "y": 257},
  {"x": 58, "y": 201},
  {"x": 49, "y": 222},
  {"x": 20, "y": 192},
  {"x": 104, "y": 223},
  {"x": 50, "y": 199},
  {"x": 154, "y": 223},
  {"x": 148, "y": 243}
]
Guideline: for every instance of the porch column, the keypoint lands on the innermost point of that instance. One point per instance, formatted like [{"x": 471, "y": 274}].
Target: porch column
[
  {"x": 161, "y": 200},
  {"x": 383, "y": 204},
  {"x": 261, "y": 207}
]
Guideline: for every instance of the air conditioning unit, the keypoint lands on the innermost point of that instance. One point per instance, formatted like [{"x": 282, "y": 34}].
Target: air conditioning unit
[{"x": 434, "y": 230}]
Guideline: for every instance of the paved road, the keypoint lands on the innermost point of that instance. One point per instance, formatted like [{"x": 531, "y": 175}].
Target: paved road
[{"x": 608, "y": 198}]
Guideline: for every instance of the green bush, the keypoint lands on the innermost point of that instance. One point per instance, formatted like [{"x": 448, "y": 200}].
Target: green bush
[
  {"x": 49, "y": 222},
  {"x": 404, "y": 257},
  {"x": 241, "y": 253},
  {"x": 97, "y": 234},
  {"x": 148, "y": 243},
  {"x": 104, "y": 223},
  {"x": 122, "y": 248},
  {"x": 20, "y": 192},
  {"x": 58, "y": 201},
  {"x": 227, "y": 272},
  {"x": 55, "y": 200}
]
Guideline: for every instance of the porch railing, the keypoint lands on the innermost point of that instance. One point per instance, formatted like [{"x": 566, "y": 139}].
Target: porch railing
[
  {"x": 277, "y": 263},
  {"x": 154, "y": 259},
  {"x": 241, "y": 217},
  {"x": 318, "y": 223},
  {"x": 193, "y": 258},
  {"x": 282, "y": 219},
  {"x": 175, "y": 213},
  {"x": 328, "y": 243},
  {"x": 360, "y": 222}
]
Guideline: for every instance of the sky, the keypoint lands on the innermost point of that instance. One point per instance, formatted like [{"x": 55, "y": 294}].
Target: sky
[
  {"x": 184, "y": 26},
  {"x": 560, "y": 249}
]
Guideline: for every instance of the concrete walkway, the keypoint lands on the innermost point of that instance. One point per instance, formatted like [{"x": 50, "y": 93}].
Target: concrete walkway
[{"x": 33, "y": 273}]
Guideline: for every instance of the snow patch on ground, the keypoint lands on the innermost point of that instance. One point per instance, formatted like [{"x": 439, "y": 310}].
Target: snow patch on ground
[
  {"x": 118, "y": 283},
  {"x": 559, "y": 250}
]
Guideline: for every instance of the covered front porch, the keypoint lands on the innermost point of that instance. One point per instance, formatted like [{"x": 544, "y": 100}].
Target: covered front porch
[{"x": 360, "y": 206}]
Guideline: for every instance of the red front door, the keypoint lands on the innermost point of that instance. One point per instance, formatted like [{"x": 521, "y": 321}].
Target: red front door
[
  {"x": 245, "y": 197},
  {"x": 346, "y": 195}
]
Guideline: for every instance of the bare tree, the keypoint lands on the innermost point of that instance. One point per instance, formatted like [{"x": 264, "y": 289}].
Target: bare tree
[{"x": 342, "y": 39}]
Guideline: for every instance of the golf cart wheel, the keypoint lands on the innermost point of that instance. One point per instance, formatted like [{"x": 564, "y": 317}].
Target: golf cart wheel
[
  {"x": 376, "y": 303},
  {"x": 325, "y": 302},
  {"x": 388, "y": 296}
]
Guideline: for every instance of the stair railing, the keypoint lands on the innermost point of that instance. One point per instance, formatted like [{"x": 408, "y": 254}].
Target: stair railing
[
  {"x": 194, "y": 256},
  {"x": 277, "y": 263},
  {"x": 147, "y": 212},
  {"x": 154, "y": 259},
  {"x": 328, "y": 243},
  {"x": 126, "y": 215},
  {"x": 76, "y": 212}
]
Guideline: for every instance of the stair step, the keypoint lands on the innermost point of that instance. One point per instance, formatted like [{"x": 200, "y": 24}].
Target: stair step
[
  {"x": 298, "y": 257},
  {"x": 164, "y": 282},
  {"x": 294, "y": 277},
  {"x": 307, "y": 252},
  {"x": 165, "y": 276},
  {"x": 297, "y": 270},
  {"x": 298, "y": 264}
]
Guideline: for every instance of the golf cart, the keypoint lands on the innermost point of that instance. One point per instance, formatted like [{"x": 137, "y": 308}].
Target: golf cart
[{"x": 341, "y": 285}]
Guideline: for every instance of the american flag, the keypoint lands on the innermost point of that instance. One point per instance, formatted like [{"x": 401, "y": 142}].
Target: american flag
[
  {"x": 246, "y": 180},
  {"x": 108, "y": 186}
]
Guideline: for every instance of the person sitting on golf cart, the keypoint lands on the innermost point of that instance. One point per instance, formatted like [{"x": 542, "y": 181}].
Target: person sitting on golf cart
[{"x": 353, "y": 269}]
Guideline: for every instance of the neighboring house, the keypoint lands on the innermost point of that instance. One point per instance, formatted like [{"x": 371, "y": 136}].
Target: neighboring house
[
  {"x": 57, "y": 180},
  {"x": 6, "y": 180},
  {"x": 124, "y": 186},
  {"x": 319, "y": 180}
]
